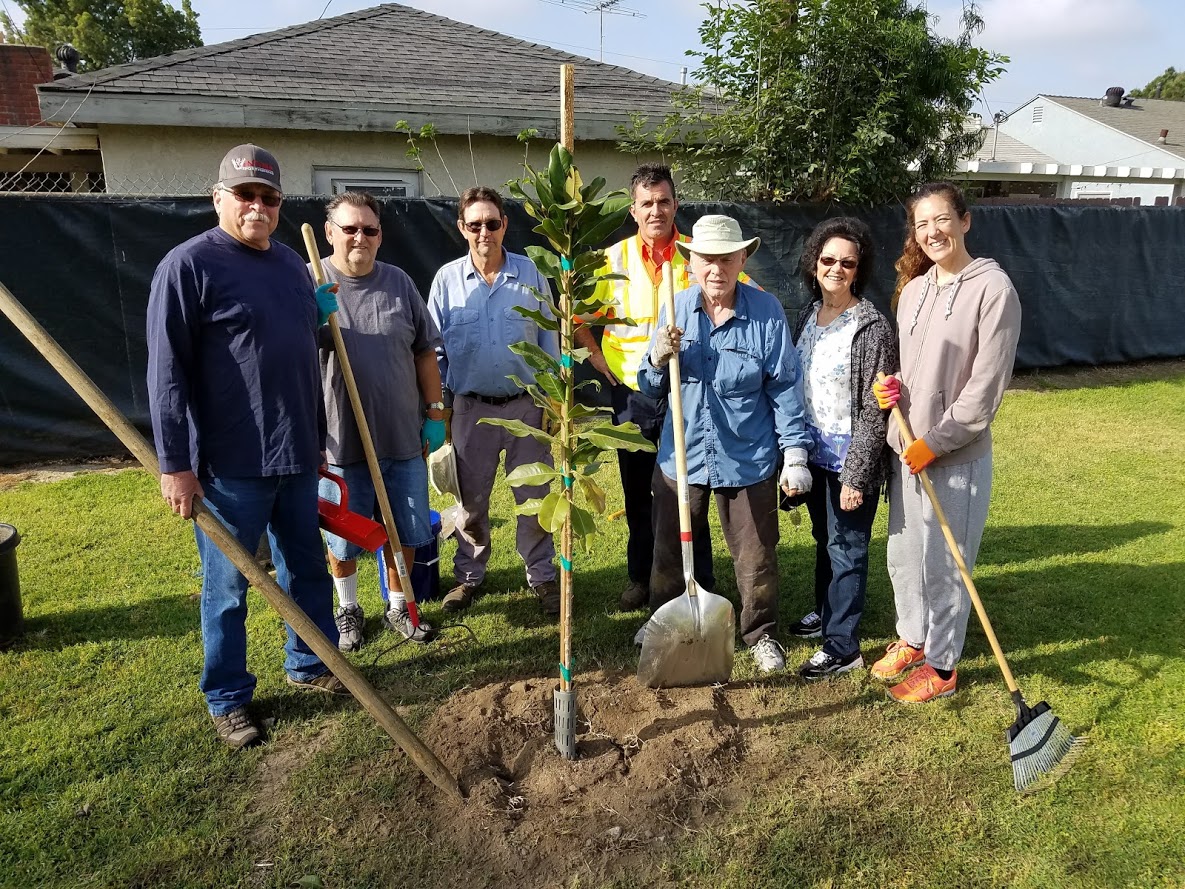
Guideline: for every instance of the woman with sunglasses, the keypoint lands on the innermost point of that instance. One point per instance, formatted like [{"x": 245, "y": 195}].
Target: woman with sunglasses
[
  {"x": 843, "y": 342},
  {"x": 959, "y": 322}
]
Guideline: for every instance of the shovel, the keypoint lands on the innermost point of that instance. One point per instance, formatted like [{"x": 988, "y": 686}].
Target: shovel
[{"x": 689, "y": 640}]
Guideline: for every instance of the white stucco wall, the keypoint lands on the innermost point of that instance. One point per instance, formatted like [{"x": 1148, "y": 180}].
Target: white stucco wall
[
  {"x": 1146, "y": 192},
  {"x": 184, "y": 160},
  {"x": 1070, "y": 138}
]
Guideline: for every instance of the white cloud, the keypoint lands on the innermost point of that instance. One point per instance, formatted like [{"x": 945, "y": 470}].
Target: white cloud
[{"x": 1012, "y": 23}]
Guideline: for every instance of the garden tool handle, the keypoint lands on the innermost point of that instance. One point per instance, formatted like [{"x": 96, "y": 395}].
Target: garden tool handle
[
  {"x": 676, "y": 401},
  {"x": 393, "y": 554},
  {"x": 956, "y": 553},
  {"x": 382, "y": 712}
]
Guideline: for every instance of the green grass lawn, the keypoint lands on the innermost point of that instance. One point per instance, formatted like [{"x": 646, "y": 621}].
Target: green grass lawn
[{"x": 110, "y": 774}]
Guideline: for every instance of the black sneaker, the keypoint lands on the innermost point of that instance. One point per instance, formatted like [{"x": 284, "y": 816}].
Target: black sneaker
[
  {"x": 821, "y": 665},
  {"x": 548, "y": 594},
  {"x": 634, "y": 596},
  {"x": 810, "y": 627},
  {"x": 237, "y": 729}
]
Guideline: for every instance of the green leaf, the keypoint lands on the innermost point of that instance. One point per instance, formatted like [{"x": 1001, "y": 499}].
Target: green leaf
[
  {"x": 547, "y": 323},
  {"x": 590, "y": 191},
  {"x": 530, "y": 507},
  {"x": 609, "y": 221},
  {"x": 584, "y": 524},
  {"x": 626, "y": 437},
  {"x": 546, "y": 261},
  {"x": 593, "y": 492},
  {"x": 536, "y": 358},
  {"x": 551, "y": 385},
  {"x": 553, "y": 512},
  {"x": 519, "y": 429},
  {"x": 531, "y": 474}
]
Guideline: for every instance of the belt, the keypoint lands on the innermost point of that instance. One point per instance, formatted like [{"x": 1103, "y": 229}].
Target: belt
[{"x": 495, "y": 399}]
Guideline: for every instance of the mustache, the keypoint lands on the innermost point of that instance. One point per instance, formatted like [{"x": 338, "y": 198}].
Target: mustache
[{"x": 255, "y": 217}]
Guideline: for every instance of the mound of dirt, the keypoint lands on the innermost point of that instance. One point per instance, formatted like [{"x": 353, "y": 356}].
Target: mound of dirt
[{"x": 651, "y": 765}]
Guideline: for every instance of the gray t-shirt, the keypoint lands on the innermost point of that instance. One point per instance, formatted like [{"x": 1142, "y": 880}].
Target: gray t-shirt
[{"x": 384, "y": 324}]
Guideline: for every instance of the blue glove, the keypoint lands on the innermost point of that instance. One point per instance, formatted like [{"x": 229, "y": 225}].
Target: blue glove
[
  {"x": 432, "y": 434},
  {"x": 326, "y": 302}
]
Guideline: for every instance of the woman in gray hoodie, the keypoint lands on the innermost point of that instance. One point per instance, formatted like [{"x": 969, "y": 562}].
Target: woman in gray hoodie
[{"x": 958, "y": 323}]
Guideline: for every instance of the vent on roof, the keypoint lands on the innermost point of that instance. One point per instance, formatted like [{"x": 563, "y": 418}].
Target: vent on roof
[
  {"x": 1038, "y": 113},
  {"x": 1112, "y": 97}
]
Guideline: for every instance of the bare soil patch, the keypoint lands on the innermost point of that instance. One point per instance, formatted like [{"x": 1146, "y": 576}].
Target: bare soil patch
[
  {"x": 11, "y": 476},
  {"x": 653, "y": 766}
]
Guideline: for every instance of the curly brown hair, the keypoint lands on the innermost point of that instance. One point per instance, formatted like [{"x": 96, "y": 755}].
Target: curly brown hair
[
  {"x": 850, "y": 229},
  {"x": 913, "y": 260}
]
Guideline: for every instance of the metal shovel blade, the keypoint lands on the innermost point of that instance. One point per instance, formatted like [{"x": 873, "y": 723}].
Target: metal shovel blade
[{"x": 688, "y": 641}]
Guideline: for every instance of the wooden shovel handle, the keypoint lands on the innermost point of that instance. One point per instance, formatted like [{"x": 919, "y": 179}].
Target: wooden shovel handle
[
  {"x": 376, "y": 706},
  {"x": 676, "y": 403},
  {"x": 956, "y": 553}
]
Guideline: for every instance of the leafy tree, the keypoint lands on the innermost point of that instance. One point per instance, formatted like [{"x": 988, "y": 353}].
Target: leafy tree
[
  {"x": 106, "y": 32},
  {"x": 1170, "y": 84},
  {"x": 820, "y": 100}
]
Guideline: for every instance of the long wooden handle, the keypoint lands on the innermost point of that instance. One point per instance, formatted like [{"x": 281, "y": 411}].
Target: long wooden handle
[
  {"x": 379, "y": 709},
  {"x": 956, "y": 553},
  {"x": 676, "y": 401},
  {"x": 393, "y": 553}
]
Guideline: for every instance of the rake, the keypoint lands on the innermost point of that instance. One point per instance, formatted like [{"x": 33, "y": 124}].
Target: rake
[{"x": 1039, "y": 742}]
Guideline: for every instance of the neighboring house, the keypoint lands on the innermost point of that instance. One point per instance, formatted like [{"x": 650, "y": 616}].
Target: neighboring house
[
  {"x": 35, "y": 154},
  {"x": 325, "y": 98},
  {"x": 1067, "y": 147}
]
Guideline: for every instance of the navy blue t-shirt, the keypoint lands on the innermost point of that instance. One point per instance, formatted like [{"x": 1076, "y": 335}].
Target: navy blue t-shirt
[{"x": 234, "y": 383}]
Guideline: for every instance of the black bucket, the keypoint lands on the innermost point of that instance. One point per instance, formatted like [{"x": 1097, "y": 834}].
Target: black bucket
[{"x": 12, "y": 619}]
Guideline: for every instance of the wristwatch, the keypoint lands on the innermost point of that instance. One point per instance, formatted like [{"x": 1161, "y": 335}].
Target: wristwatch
[{"x": 435, "y": 406}]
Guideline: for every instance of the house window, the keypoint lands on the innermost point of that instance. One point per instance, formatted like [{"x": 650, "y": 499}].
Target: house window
[
  {"x": 380, "y": 183},
  {"x": 1038, "y": 113}
]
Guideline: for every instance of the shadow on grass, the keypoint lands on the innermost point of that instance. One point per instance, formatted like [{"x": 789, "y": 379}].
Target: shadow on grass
[
  {"x": 167, "y": 616},
  {"x": 1020, "y": 543}
]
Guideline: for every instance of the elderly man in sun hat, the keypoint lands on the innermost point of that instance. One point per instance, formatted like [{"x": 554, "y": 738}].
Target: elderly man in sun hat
[{"x": 742, "y": 397}]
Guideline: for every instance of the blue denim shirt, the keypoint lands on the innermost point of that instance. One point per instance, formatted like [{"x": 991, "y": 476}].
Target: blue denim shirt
[
  {"x": 742, "y": 390},
  {"x": 479, "y": 324}
]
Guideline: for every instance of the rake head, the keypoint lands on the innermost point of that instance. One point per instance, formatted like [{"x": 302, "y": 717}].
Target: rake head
[{"x": 1039, "y": 742}]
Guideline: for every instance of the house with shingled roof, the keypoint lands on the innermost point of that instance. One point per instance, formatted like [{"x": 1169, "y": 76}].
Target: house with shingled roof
[
  {"x": 1070, "y": 147},
  {"x": 326, "y": 97}
]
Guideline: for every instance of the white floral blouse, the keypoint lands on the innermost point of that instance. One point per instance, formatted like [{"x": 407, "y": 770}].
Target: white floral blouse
[{"x": 826, "y": 354}]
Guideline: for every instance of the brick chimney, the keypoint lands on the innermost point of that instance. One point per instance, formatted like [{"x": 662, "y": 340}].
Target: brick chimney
[{"x": 21, "y": 69}]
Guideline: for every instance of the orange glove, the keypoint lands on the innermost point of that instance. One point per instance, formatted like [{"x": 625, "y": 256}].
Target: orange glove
[
  {"x": 887, "y": 392},
  {"x": 918, "y": 456}
]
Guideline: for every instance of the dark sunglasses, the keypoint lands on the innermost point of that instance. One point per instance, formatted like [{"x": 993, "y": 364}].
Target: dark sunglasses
[
  {"x": 371, "y": 231},
  {"x": 848, "y": 264},
  {"x": 489, "y": 224},
  {"x": 244, "y": 196}
]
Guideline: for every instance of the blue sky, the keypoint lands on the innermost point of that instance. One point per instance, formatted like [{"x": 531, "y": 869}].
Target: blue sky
[{"x": 1058, "y": 47}]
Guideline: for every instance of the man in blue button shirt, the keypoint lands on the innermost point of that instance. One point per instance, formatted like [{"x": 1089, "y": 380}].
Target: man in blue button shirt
[
  {"x": 473, "y": 302},
  {"x": 742, "y": 397}
]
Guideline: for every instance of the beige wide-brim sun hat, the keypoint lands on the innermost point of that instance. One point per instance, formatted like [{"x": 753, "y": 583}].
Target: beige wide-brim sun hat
[{"x": 715, "y": 236}]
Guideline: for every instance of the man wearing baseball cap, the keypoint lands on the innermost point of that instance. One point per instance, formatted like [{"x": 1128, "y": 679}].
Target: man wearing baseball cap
[
  {"x": 235, "y": 396},
  {"x": 742, "y": 394}
]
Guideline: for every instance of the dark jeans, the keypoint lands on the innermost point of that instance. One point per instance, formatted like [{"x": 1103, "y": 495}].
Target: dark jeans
[
  {"x": 841, "y": 561},
  {"x": 637, "y": 472},
  {"x": 749, "y": 520}
]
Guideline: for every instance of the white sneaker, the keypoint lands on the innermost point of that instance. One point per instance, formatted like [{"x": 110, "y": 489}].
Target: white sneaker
[
  {"x": 768, "y": 655},
  {"x": 349, "y": 620},
  {"x": 640, "y": 636},
  {"x": 399, "y": 620}
]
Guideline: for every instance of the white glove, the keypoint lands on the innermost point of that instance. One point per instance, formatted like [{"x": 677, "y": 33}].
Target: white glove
[
  {"x": 795, "y": 477},
  {"x": 666, "y": 344}
]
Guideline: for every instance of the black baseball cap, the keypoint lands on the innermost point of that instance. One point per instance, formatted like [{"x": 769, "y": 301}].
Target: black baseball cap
[{"x": 249, "y": 163}]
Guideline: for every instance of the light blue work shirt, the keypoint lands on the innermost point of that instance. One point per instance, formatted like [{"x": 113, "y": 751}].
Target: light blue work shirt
[
  {"x": 479, "y": 324},
  {"x": 742, "y": 390}
]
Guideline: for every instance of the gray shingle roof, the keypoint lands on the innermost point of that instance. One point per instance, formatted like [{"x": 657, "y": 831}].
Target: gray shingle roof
[
  {"x": 386, "y": 56},
  {"x": 1144, "y": 119},
  {"x": 1008, "y": 150}
]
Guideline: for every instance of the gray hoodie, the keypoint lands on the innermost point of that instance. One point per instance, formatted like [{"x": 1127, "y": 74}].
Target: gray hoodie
[{"x": 958, "y": 343}]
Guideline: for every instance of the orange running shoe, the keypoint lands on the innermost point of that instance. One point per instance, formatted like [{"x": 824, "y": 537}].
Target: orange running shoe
[
  {"x": 900, "y": 657},
  {"x": 924, "y": 685}
]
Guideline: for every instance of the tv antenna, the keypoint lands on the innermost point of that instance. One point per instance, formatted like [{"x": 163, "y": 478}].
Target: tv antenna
[{"x": 600, "y": 7}]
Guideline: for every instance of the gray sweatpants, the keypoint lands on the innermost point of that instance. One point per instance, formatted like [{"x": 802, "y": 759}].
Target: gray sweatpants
[{"x": 932, "y": 602}]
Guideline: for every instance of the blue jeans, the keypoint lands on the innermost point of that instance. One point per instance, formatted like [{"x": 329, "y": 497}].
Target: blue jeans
[
  {"x": 286, "y": 506},
  {"x": 841, "y": 561},
  {"x": 406, "y": 482}
]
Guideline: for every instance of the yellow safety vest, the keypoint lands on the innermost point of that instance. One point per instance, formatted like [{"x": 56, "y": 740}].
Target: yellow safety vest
[{"x": 637, "y": 299}]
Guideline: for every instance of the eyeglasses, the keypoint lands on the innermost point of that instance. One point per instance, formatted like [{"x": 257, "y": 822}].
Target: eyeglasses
[
  {"x": 488, "y": 224},
  {"x": 245, "y": 196},
  {"x": 371, "y": 231},
  {"x": 829, "y": 261}
]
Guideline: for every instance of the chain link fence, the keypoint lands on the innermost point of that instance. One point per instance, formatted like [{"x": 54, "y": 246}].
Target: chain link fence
[{"x": 96, "y": 183}]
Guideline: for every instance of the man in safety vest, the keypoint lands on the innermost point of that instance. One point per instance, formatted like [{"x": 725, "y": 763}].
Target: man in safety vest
[{"x": 623, "y": 349}]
